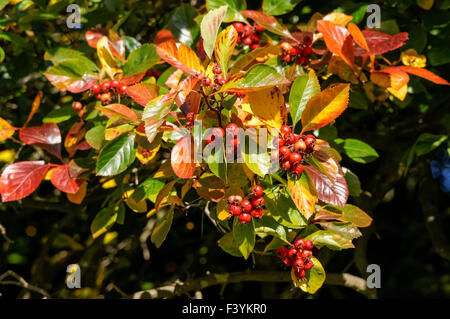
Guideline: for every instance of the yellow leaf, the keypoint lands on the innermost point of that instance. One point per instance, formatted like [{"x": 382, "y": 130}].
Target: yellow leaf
[
  {"x": 425, "y": 4},
  {"x": 7, "y": 156},
  {"x": 34, "y": 106},
  {"x": 338, "y": 18},
  {"x": 137, "y": 207},
  {"x": 325, "y": 107},
  {"x": 226, "y": 41},
  {"x": 410, "y": 57},
  {"x": 304, "y": 194},
  {"x": 267, "y": 105},
  {"x": 106, "y": 57},
  {"x": 6, "y": 130},
  {"x": 78, "y": 197}
]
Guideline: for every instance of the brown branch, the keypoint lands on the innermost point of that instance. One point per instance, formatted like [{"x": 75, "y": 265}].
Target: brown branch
[
  {"x": 20, "y": 282},
  {"x": 178, "y": 288}
]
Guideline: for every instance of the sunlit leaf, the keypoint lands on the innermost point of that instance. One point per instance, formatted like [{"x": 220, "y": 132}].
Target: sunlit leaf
[
  {"x": 302, "y": 90},
  {"x": 181, "y": 57},
  {"x": 303, "y": 194},
  {"x": 224, "y": 47},
  {"x": 209, "y": 26},
  {"x": 182, "y": 157},
  {"x": 116, "y": 155},
  {"x": 6, "y": 130},
  {"x": 46, "y": 136},
  {"x": 268, "y": 22}
]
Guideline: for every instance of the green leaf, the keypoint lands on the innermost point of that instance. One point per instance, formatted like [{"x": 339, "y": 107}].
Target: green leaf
[
  {"x": 209, "y": 26},
  {"x": 303, "y": 89},
  {"x": 58, "y": 55},
  {"x": 217, "y": 163},
  {"x": 244, "y": 236},
  {"x": 59, "y": 115},
  {"x": 116, "y": 156},
  {"x": 105, "y": 219},
  {"x": 233, "y": 11},
  {"x": 183, "y": 25},
  {"x": 331, "y": 240},
  {"x": 355, "y": 215},
  {"x": 279, "y": 7},
  {"x": 315, "y": 277},
  {"x": 95, "y": 136},
  {"x": 14, "y": 38},
  {"x": 228, "y": 245},
  {"x": 259, "y": 164},
  {"x": 346, "y": 230},
  {"x": 258, "y": 77},
  {"x": 357, "y": 150},
  {"x": 267, "y": 226},
  {"x": 149, "y": 188},
  {"x": 283, "y": 210},
  {"x": 161, "y": 230},
  {"x": 427, "y": 142},
  {"x": 2, "y": 54},
  {"x": 353, "y": 183},
  {"x": 140, "y": 60}
]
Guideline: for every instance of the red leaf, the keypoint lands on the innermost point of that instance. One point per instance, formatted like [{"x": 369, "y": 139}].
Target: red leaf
[
  {"x": 380, "y": 42},
  {"x": 430, "y": 76},
  {"x": 333, "y": 193},
  {"x": 337, "y": 39},
  {"x": 181, "y": 57},
  {"x": 20, "y": 179},
  {"x": 182, "y": 159},
  {"x": 163, "y": 36},
  {"x": 61, "y": 179},
  {"x": 66, "y": 83},
  {"x": 46, "y": 136},
  {"x": 132, "y": 79},
  {"x": 143, "y": 93},
  {"x": 116, "y": 43},
  {"x": 269, "y": 22}
]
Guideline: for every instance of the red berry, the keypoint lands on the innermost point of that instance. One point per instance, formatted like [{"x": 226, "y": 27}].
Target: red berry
[
  {"x": 289, "y": 138},
  {"x": 309, "y": 264},
  {"x": 285, "y": 129},
  {"x": 285, "y": 153},
  {"x": 306, "y": 254},
  {"x": 294, "y": 51},
  {"x": 221, "y": 81},
  {"x": 238, "y": 26},
  {"x": 302, "y": 60},
  {"x": 105, "y": 86},
  {"x": 297, "y": 169},
  {"x": 246, "y": 206},
  {"x": 294, "y": 158},
  {"x": 307, "y": 41},
  {"x": 206, "y": 81},
  {"x": 257, "y": 213},
  {"x": 256, "y": 191},
  {"x": 298, "y": 263},
  {"x": 115, "y": 84},
  {"x": 95, "y": 88},
  {"x": 307, "y": 51},
  {"x": 123, "y": 89},
  {"x": 278, "y": 142},
  {"x": 300, "y": 146},
  {"x": 286, "y": 165},
  {"x": 233, "y": 128},
  {"x": 308, "y": 245},
  {"x": 281, "y": 252},
  {"x": 258, "y": 28},
  {"x": 287, "y": 261},
  {"x": 248, "y": 41},
  {"x": 105, "y": 98},
  {"x": 300, "y": 273},
  {"x": 230, "y": 199},
  {"x": 310, "y": 140},
  {"x": 258, "y": 202},
  {"x": 216, "y": 69},
  {"x": 235, "y": 210},
  {"x": 254, "y": 46},
  {"x": 247, "y": 31},
  {"x": 292, "y": 253},
  {"x": 218, "y": 132},
  {"x": 286, "y": 58},
  {"x": 298, "y": 243},
  {"x": 255, "y": 38},
  {"x": 190, "y": 116},
  {"x": 77, "y": 106},
  {"x": 245, "y": 218}
]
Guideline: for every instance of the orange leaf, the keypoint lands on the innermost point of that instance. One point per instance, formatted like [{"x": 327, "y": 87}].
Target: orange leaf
[
  {"x": 182, "y": 157},
  {"x": 163, "y": 36},
  {"x": 337, "y": 39},
  {"x": 392, "y": 77},
  {"x": 34, "y": 107},
  {"x": 120, "y": 110},
  {"x": 430, "y": 76},
  {"x": 78, "y": 197},
  {"x": 183, "y": 58},
  {"x": 358, "y": 36},
  {"x": 6, "y": 130},
  {"x": 338, "y": 18},
  {"x": 106, "y": 57},
  {"x": 143, "y": 93},
  {"x": 188, "y": 99},
  {"x": 325, "y": 106}
]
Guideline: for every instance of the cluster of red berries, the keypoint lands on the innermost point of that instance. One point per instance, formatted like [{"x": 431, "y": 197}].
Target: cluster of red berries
[
  {"x": 293, "y": 150},
  {"x": 298, "y": 256},
  {"x": 219, "y": 133},
  {"x": 299, "y": 53},
  {"x": 249, "y": 35},
  {"x": 77, "y": 106},
  {"x": 190, "y": 117},
  {"x": 246, "y": 209},
  {"x": 107, "y": 90},
  {"x": 152, "y": 72}
]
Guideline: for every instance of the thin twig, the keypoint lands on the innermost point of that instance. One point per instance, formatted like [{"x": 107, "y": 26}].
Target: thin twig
[{"x": 21, "y": 283}]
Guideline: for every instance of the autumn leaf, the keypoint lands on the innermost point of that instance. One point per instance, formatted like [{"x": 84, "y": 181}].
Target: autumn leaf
[
  {"x": 224, "y": 47},
  {"x": 338, "y": 40},
  {"x": 143, "y": 92},
  {"x": 45, "y": 136},
  {"x": 34, "y": 106},
  {"x": 181, "y": 57},
  {"x": 182, "y": 157},
  {"x": 20, "y": 179},
  {"x": 6, "y": 130},
  {"x": 303, "y": 194},
  {"x": 268, "y": 22},
  {"x": 106, "y": 58},
  {"x": 267, "y": 105},
  {"x": 209, "y": 26},
  {"x": 325, "y": 107},
  {"x": 62, "y": 180},
  {"x": 380, "y": 43},
  {"x": 120, "y": 110},
  {"x": 335, "y": 193}
]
